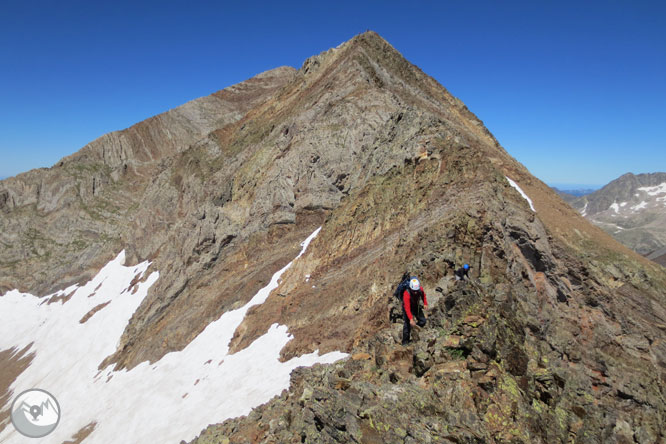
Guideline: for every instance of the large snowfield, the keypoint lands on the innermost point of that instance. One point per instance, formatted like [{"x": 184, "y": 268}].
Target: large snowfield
[{"x": 168, "y": 401}]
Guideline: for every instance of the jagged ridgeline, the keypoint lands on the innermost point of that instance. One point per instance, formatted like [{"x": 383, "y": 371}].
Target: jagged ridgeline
[{"x": 560, "y": 338}]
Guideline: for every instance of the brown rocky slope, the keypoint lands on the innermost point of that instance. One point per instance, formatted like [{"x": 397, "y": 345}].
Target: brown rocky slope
[{"x": 562, "y": 337}]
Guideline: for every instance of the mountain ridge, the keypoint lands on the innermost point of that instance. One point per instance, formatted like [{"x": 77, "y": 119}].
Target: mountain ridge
[
  {"x": 82, "y": 178},
  {"x": 399, "y": 175}
]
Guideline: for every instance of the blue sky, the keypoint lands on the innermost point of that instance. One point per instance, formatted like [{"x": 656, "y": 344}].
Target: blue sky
[{"x": 573, "y": 90}]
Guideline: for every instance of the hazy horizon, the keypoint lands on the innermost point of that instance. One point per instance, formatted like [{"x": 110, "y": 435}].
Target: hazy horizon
[
  {"x": 576, "y": 186},
  {"x": 559, "y": 185}
]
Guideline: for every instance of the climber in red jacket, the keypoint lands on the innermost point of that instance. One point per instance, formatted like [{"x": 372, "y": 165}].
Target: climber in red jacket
[{"x": 411, "y": 308}]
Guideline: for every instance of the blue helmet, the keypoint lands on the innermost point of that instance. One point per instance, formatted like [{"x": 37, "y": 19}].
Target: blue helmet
[{"x": 466, "y": 266}]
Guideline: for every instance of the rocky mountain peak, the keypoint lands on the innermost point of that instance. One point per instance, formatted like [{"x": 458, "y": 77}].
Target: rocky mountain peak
[
  {"x": 632, "y": 208},
  {"x": 559, "y": 334}
]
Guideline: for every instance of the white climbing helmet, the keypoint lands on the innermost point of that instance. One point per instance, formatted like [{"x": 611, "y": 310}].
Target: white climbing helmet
[{"x": 414, "y": 284}]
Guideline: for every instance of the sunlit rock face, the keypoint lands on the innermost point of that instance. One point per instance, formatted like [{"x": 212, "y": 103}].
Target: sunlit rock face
[{"x": 559, "y": 335}]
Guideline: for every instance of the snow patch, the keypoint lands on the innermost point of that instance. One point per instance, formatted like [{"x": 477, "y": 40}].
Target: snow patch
[
  {"x": 522, "y": 193},
  {"x": 584, "y": 212},
  {"x": 653, "y": 191},
  {"x": 639, "y": 206},
  {"x": 617, "y": 228},
  {"x": 615, "y": 207},
  {"x": 170, "y": 400}
]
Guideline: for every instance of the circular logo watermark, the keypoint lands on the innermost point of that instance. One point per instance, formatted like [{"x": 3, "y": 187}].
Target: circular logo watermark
[{"x": 35, "y": 413}]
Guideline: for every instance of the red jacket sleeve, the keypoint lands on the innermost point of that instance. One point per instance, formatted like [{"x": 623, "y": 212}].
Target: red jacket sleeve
[
  {"x": 425, "y": 301},
  {"x": 406, "y": 304}
]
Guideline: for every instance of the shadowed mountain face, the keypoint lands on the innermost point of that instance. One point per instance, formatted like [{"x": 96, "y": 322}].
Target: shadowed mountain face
[
  {"x": 631, "y": 208},
  {"x": 659, "y": 256},
  {"x": 562, "y": 334}
]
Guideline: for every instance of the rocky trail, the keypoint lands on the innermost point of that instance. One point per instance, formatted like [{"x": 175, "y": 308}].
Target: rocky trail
[{"x": 467, "y": 377}]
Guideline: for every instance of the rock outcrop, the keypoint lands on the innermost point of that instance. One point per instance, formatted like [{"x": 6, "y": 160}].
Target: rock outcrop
[
  {"x": 561, "y": 336},
  {"x": 60, "y": 224}
]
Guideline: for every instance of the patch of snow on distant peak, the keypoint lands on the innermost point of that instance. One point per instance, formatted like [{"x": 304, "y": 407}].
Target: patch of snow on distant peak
[
  {"x": 617, "y": 228},
  {"x": 622, "y": 204},
  {"x": 170, "y": 400},
  {"x": 615, "y": 207},
  {"x": 639, "y": 206},
  {"x": 522, "y": 193},
  {"x": 584, "y": 212},
  {"x": 653, "y": 191}
]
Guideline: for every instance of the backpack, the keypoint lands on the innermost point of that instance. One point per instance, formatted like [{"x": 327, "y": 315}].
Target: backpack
[
  {"x": 402, "y": 286},
  {"x": 395, "y": 312}
]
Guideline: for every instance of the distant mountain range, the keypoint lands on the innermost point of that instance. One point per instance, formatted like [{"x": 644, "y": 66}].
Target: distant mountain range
[
  {"x": 632, "y": 209},
  {"x": 571, "y": 195}
]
